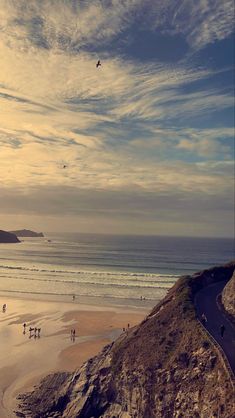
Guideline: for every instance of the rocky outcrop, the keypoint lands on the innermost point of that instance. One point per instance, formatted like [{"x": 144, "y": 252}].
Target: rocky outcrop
[
  {"x": 165, "y": 367},
  {"x": 8, "y": 237},
  {"x": 27, "y": 233},
  {"x": 228, "y": 297}
]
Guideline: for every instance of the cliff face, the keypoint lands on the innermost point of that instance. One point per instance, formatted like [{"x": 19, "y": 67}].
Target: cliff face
[
  {"x": 8, "y": 237},
  {"x": 27, "y": 233},
  {"x": 165, "y": 367},
  {"x": 228, "y": 296}
]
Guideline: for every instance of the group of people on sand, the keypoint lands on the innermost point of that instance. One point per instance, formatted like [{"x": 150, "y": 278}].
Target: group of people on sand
[
  {"x": 204, "y": 322},
  {"x": 33, "y": 331},
  {"x": 72, "y": 334}
]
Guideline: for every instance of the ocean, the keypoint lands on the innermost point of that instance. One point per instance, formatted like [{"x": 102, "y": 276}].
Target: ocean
[{"x": 122, "y": 270}]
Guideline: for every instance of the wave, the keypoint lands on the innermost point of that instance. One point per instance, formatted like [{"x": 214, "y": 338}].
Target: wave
[
  {"x": 101, "y": 295},
  {"x": 152, "y": 284},
  {"x": 87, "y": 272},
  {"x": 102, "y": 262}
]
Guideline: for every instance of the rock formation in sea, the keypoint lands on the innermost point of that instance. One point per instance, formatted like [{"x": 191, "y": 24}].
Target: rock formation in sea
[
  {"x": 166, "y": 367},
  {"x": 8, "y": 237},
  {"x": 27, "y": 233}
]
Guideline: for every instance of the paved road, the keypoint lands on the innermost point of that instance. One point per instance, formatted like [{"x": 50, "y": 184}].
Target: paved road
[{"x": 205, "y": 301}]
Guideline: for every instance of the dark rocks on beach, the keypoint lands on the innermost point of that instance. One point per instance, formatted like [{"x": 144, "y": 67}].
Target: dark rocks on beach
[
  {"x": 54, "y": 394},
  {"x": 8, "y": 237}
]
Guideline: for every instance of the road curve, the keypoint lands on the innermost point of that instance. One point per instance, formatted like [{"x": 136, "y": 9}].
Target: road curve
[{"x": 205, "y": 302}]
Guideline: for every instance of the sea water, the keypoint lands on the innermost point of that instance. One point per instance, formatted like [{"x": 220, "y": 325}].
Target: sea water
[{"x": 119, "y": 269}]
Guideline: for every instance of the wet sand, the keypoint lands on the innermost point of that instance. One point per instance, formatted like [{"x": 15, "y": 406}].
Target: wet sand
[{"x": 24, "y": 360}]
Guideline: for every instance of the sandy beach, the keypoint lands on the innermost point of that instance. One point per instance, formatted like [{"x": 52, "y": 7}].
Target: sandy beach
[{"x": 25, "y": 360}]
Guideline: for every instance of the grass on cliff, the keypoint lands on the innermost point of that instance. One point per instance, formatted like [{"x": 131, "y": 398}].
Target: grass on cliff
[
  {"x": 170, "y": 353},
  {"x": 171, "y": 328},
  {"x": 163, "y": 335}
]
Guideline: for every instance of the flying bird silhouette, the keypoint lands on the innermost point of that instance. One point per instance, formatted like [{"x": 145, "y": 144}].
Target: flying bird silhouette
[{"x": 98, "y": 64}]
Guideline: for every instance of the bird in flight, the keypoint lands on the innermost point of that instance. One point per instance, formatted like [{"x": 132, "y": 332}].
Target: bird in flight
[{"x": 98, "y": 64}]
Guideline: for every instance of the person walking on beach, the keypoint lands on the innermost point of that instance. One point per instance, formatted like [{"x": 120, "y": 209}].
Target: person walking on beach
[
  {"x": 30, "y": 331},
  {"x": 222, "y": 329},
  {"x": 72, "y": 334},
  {"x": 39, "y": 331},
  {"x": 24, "y": 326},
  {"x": 4, "y": 307},
  {"x": 204, "y": 319}
]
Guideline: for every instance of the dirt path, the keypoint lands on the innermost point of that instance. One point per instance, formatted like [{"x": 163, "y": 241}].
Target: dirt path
[{"x": 205, "y": 302}]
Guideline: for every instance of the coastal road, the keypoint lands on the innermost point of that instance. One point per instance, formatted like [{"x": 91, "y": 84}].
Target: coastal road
[{"x": 205, "y": 302}]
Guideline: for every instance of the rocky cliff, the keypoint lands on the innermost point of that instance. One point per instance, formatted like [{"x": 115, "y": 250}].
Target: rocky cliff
[
  {"x": 166, "y": 367},
  {"x": 228, "y": 296},
  {"x": 8, "y": 237},
  {"x": 27, "y": 233}
]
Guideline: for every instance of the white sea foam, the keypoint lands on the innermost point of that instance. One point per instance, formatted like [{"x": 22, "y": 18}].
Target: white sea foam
[{"x": 114, "y": 267}]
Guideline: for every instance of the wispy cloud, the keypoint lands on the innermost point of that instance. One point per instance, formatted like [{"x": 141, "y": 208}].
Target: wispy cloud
[
  {"x": 70, "y": 25},
  {"x": 202, "y": 22},
  {"x": 66, "y": 25},
  {"x": 127, "y": 127},
  {"x": 127, "y": 211},
  {"x": 59, "y": 109},
  {"x": 206, "y": 143}
]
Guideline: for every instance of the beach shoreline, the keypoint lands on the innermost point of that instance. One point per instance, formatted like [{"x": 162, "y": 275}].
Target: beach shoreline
[
  {"x": 26, "y": 360},
  {"x": 90, "y": 301}
]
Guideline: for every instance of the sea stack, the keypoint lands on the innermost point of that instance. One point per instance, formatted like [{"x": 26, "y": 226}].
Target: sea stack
[{"x": 8, "y": 237}]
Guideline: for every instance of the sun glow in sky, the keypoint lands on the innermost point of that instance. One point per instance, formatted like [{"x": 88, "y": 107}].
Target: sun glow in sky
[{"x": 146, "y": 139}]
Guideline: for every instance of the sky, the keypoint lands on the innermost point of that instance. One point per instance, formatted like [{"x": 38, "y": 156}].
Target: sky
[{"x": 143, "y": 144}]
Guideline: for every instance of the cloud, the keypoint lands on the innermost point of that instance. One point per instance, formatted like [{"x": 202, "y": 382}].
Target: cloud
[
  {"x": 127, "y": 132},
  {"x": 215, "y": 21},
  {"x": 208, "y": 143},
  {"x": 64, "y": 25},
  {"x": 99, "y": 165},
  {"x": 121, "y": 211},
  {"x": 202, "y": 22},
  {"x": 74, "y": 200},
  {"x": 71, "y": 25},
  {"x": 53, "y": 99},
  {"x": 202, "y": 147},
  {"x": 50, "y": 70}
]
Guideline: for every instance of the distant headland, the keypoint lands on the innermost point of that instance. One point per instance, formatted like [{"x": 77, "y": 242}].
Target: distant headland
[
  {"x": 8, "y": 237},
  {"x": 27, "y": 233}
]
